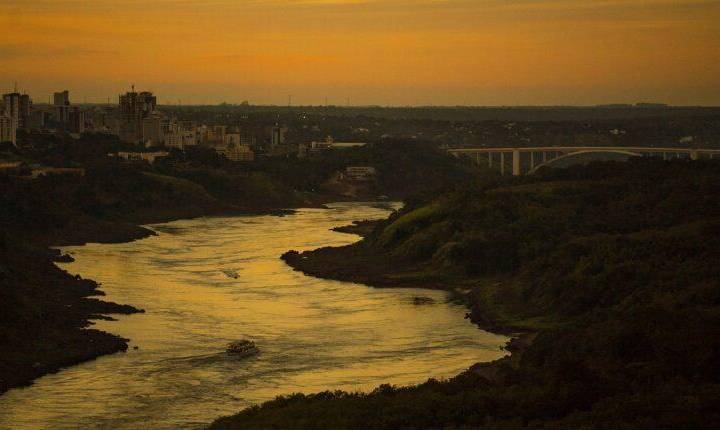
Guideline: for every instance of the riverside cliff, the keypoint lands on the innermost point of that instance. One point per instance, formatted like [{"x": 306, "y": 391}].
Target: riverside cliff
[{"x": 614, "y": 269}]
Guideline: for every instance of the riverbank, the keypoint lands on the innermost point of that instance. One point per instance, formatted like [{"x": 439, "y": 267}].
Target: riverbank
[
  {"x": 194, "y": 310},
  {"x": 361, "y": 228},
  {"x": 112, "y": 199},
  {"x": 46, "y": 318},
  {"x": 604, "y": 265},
  {"x": 45, "y": 324},
  {"x": 353, "y": 264}
]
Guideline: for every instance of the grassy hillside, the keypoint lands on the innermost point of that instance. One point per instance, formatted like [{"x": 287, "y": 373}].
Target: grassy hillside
[{"x": 613, "y": 267}]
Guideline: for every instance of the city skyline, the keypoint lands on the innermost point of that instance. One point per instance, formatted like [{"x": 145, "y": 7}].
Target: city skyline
[{"x": 395, "y": 52}]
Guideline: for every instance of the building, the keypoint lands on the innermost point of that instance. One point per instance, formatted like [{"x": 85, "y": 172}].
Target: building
[
  {"x": 7, "y": 128},
  {"x": 232, "y": 139},
  {"x": 216, "y": 135},
  {"x": 152, "y": 130},
  {"x": 147, "y": 157},
  {"x": 37, "y": 120},
  {"x": 187, "y": 125},
  {"x": 346, "y": 145},
  {"x": 201, "y": 134},
  {"x": 168, "y": 126},
  {"x": 248, "y": 140},
  {"x": 130, "y": 118},
  {"x": 180, "y": 139},
  {"x": 235, "y": 152},
  {"x": 11, "y": 103},
  {"x": 61, "y": 102},
  {"x": 315, "y": 148},
  {"x": 56, "y": 171},
  {"x": 61, "y": 98},
  {"x": 101, "y": 120},
  {"x": 76, "y": 123},
  {"x": 24, "y": 114},
  {"x": 277, "y": 136},
  {"x": 134, "y": 108}
]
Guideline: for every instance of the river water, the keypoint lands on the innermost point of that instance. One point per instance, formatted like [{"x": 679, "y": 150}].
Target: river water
[{"x": 313, "y": 334}]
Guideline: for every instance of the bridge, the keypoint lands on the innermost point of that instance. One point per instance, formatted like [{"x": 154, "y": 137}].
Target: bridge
[{"x": 528, "y": 160}]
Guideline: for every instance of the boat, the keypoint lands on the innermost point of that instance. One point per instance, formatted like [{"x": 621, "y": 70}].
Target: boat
[
  {"x": 230, "y": 273},
  {"x": 420, "y": 300},
  {"x": 242, "y": 348}
]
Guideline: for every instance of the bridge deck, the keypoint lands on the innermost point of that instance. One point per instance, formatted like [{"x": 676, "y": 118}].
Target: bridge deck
[
  {"x": 584, "y": 148},
  {"x": 550, "y": 153}
]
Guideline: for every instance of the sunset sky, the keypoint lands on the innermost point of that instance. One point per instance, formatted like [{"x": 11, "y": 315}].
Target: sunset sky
[{"x": 387, "y": 52}]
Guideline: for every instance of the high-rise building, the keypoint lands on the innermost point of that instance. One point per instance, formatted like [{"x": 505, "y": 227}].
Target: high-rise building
[
  {"x": 148, "y": 102},
  {"x": 7, "y": 129},
  {"x": 77, "y": 121},
  {"x": 12, "y": 107},
  {"x": 24, "y": 114},
  {"x": 61, "y": 98},
  {"x": 61, "y": 101},
  {"x": 152, "y": 130},
  {"x": 134, "y": 108},
  {"x": 37, "y": 119}
]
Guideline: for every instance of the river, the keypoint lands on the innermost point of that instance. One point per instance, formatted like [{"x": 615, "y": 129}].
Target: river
[{"x": 313, "y": 334}]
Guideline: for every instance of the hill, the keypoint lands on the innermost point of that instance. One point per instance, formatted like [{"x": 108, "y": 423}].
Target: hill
[{"x": 609, "y": 271}]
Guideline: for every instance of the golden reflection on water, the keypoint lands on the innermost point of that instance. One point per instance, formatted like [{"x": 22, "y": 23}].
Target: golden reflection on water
[{"x": 313, "y": 334}]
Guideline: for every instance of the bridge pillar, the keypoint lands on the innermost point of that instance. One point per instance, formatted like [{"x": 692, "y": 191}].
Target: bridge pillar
[
  {"x": 490, "y": 160},
  {"x": 502, "y": 164},
  {"x": 532, "y": 160},
  {"x": 516, "y": 163},
  {"x": 693, "y": 155}
]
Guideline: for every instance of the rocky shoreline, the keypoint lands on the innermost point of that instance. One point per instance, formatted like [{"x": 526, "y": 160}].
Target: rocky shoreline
[
  {"x": 332, "y": 263},
  {"x": 360, "y": 228},
  {"x": 69, "y": 301},
  {"x": 50, "y": 326}
]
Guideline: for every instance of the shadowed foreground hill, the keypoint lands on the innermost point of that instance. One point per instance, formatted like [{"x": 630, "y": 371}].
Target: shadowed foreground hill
[{"x": 614, "y": 268}]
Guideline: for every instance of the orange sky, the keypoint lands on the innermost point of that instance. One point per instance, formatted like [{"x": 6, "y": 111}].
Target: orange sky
[{"x": 389, "y": 52}]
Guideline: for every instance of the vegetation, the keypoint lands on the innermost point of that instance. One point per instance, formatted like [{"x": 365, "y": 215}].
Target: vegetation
[
  {"x": 405, "y": 168},
  {"x": 613, "y": 267},
  {"x": 44, "y": 314},
  {"x": 44, "y": 311}
]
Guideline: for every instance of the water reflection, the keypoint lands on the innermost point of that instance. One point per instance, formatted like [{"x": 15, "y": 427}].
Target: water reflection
[{"x": 313, "y": 334}]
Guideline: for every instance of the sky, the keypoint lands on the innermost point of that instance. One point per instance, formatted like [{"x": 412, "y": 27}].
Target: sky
[{"x": 362, "y": 52}]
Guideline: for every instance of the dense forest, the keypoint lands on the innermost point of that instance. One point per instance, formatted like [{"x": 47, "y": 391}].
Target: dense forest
[{"x": 608, "y": 273}]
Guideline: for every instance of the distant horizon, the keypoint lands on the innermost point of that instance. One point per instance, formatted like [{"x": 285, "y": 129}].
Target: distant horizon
[
  {"x": 77, "y": 97},
  {"x": 373, "y": 52},
  {"x": 649, "y": 105}
]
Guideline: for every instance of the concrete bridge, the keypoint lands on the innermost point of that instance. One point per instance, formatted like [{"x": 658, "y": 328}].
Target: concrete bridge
[{"x": 526, "y": 161}]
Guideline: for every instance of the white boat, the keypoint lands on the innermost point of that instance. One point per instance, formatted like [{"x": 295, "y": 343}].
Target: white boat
[{"x": 242, "y": 348}]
